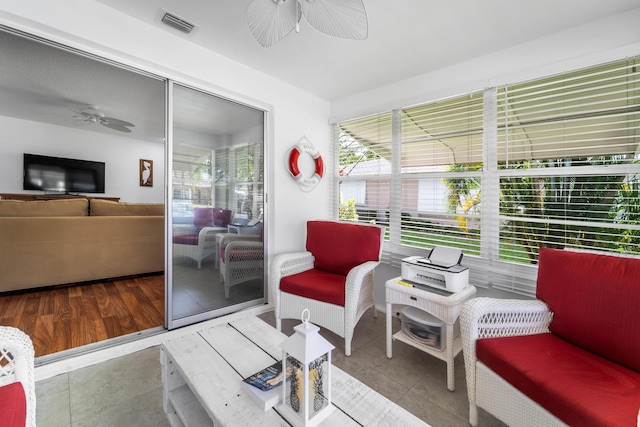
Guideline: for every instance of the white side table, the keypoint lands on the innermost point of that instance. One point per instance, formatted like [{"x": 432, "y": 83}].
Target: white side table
[{"x": 445, "y": 308}]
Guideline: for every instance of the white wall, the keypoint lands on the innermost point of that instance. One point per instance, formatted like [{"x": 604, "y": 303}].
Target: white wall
[
  {"x": 92, "y": 27},
  {"x": 121, "y": 156}
]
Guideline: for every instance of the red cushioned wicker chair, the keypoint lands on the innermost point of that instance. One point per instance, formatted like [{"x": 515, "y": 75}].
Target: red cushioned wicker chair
[
  {"x": 208, "y": 222},
  {"x": 17, "y": 382},
  {"x": 333, "y": 278}
]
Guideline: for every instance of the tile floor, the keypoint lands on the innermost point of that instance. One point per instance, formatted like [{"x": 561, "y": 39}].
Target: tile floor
[{"x": 127, "y": 391}]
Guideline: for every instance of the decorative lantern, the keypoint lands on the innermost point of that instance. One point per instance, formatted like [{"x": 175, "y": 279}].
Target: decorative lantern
[{"x": 306, "y": 360}]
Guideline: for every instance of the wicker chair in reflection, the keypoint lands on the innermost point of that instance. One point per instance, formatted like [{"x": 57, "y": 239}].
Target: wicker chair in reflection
[{"x": 241, "y": 259}]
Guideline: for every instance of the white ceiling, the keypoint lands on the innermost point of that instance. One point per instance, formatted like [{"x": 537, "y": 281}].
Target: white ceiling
[{"x": 406, "y": 37}]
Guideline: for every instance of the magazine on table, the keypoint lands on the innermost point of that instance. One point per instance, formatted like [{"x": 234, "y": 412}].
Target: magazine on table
[
  {"x": 266, "y": 378},
  {"x": 262, "y": 386}
]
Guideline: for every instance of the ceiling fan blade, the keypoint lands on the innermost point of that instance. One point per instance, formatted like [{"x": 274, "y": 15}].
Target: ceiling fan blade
[
  {"x": 117, "y": 127},
  {"x": 346, "y": 19},
  {"x": 271, "y": 20},
  {"x": 113, "y": 121},
  {"x": 80, "y": 122}
]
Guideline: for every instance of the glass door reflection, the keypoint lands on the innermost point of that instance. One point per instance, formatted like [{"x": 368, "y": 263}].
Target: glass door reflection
[{"x": 216, "y": 191}]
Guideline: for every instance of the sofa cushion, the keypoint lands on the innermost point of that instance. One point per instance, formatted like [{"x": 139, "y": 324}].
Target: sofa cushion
[
  {"x": 338, "y": 247},
  {"x": 575, "y": 385},
  {"x": 594, "y": 299},
  {"x": 100, "y": 207},
  {"x": 317, "y": 285},
  {"x": 32, "y": 208},
  {"x": 13, "y": 405}
]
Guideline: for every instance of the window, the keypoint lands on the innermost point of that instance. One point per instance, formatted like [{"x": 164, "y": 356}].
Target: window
[
  {"x": 431, "y": 155},
  {"x": 248, "y": 180},
  {"x": 365, "y": 169},
  {"x": 568, "y": 162},
  {"x": 192, "y": 179},
  {"x": 441, "y": 165},
  {"x": 549, "y": 163}
]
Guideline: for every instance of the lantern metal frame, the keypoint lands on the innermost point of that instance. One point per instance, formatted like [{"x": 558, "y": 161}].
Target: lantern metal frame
[{"x": 306, "y": 362}]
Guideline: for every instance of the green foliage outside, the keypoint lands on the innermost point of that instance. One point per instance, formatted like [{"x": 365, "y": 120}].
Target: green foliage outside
[
  {"x": 558, "y": 202},
  {"x": 347, "y": 211}
]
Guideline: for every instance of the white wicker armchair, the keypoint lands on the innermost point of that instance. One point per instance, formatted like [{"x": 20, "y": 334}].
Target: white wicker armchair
[
  {"x": 489, "y": 318},
  {"x": 241, "y": 259},
  {"x": 17, "y": 364},
  {"x": 197, "y": 246},
  {"x": 358, "y": 285}
]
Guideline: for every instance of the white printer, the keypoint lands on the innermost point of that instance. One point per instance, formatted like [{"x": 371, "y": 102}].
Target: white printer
[{"x": 441, "y": 269}]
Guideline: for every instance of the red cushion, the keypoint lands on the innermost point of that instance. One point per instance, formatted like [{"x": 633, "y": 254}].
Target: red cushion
[
  {"x": 203, "y": 217},
  {"x": 577, "y": 386},
  {"x": 221, "y": 217},
  {"x": 595, "y": 301},
  {"x": 316, "y": 284},
  {"x": 338, "y": 247},
  {"x": 186, "y": 239},
  {"x": 13, "y": 405}
]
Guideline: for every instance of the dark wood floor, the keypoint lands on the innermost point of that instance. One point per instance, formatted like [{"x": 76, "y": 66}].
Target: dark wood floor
[{"x": 64, "y": 317}]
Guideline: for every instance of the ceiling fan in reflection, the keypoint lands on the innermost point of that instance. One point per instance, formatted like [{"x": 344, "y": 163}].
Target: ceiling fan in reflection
[{"x": 93, "y": 115}]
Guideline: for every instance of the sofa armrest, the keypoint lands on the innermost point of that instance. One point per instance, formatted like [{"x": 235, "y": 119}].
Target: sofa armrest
[{"x": 492, "y": 317}]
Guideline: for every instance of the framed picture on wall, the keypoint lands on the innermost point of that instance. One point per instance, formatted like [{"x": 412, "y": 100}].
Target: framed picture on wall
[{"x": 146, "y": 173}]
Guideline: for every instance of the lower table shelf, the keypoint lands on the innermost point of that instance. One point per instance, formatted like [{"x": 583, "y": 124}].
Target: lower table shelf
[
  {"x": 445, "y": 308},
  {"x": 440, "y": 354},
  {"x": 187, "y": 410}
]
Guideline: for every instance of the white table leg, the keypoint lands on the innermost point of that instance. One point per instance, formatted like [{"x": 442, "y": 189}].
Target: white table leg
[
  {"x": 451, "y": 384},
  {"x": 389, "y": 330}
]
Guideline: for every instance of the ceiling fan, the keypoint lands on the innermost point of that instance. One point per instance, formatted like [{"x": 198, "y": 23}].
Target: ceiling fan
[
  {"x": 271, "y": 20},
  {"x": 93, "y": 115}
]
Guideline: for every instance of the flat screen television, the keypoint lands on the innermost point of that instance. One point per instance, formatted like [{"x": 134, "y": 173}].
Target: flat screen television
[{"x": 60, "y": 175}]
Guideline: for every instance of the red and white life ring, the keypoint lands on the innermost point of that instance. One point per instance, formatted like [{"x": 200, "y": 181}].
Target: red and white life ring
[{"x": 293, "y": 157}]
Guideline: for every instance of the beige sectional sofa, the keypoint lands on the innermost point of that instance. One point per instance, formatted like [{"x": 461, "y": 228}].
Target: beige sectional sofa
[{"x": 64, "y": 241}]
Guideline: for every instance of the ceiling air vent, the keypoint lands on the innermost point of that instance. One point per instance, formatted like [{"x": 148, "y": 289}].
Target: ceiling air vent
[{"x": 178, "y": 23}]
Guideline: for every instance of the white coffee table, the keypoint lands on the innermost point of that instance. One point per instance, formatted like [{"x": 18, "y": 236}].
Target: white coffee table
[{"x": 202, "y": 373}]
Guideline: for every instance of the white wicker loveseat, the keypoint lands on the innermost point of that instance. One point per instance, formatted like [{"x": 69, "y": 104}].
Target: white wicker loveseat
[
  {"x": 571, "y": 357},
  {"x": 16, "y": 368},
  {"x": 333, "y": 279}
]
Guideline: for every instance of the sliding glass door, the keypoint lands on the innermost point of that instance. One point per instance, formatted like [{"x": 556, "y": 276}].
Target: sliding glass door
[{"x": 216, "y": 197}]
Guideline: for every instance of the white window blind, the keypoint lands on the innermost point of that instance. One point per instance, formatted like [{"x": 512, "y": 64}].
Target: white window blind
[
  {"x": 553, "y": 162},
  {"x": 441, "y": 165},
  {"x": 364, "y": 171},
  {"x": 192, "y": 175},
  {"x": 568, "y": 160},
  {"x": 248, "y": 181}
]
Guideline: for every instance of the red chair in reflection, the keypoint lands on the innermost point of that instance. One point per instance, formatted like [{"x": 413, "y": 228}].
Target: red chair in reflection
[{"x": 208, "y": 222}]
